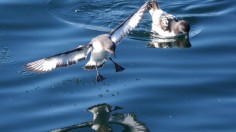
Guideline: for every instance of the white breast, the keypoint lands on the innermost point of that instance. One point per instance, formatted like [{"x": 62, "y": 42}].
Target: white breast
[{"x": 97, "y": 46}]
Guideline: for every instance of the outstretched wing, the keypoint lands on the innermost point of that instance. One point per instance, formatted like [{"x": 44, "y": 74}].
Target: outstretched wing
[
  {"x": 60, "y": 60},
  {"x": 129, "y": 122},
  {"x": 166, "y": 20},
  {"x": 129, "y": 24}
]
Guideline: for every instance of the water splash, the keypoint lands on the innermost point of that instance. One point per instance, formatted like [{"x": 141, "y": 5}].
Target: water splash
[{"x": 5, "y": 57}]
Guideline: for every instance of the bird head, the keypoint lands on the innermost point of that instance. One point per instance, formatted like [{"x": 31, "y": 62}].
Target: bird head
[{"x": 182, "y": 27}]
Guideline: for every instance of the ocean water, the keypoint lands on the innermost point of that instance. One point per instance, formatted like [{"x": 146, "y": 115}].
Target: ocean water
[{"x": 180, "y": 89}]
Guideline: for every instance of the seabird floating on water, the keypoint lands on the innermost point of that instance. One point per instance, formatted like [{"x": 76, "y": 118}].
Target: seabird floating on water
[
  {"x": 100, "y": 47},
  {"x": 166, "y": 25}
]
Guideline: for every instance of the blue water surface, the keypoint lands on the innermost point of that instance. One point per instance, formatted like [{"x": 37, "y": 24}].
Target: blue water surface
[{"x": 169, "y": 89}]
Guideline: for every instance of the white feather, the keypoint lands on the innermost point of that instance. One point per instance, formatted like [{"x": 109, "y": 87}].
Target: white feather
[
  {"x": 97, "y": 59},
  {"x": 59, "y": 60},
  {"x": 129, "y": 24}
]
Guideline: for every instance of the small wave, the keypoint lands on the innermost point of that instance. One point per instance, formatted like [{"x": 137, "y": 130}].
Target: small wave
[
  {"x": 25, "y": 73},
  {"x": 105, "y": 15}
]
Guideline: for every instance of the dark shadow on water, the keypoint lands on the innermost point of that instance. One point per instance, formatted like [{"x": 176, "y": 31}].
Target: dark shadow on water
[{"x": 104, "y": 120}]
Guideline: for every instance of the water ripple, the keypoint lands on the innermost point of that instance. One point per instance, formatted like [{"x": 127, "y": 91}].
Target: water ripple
[
  {"x": 108, "y": 15},
  {"x": 5, "y": 57}
]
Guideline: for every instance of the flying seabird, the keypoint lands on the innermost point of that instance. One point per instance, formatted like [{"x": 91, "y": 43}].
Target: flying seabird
[
  {"x": 101, "y": 48},
  {"x": 166, "y": 25}
]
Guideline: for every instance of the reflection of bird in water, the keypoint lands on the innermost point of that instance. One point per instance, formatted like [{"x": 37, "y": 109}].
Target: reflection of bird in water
[
  {"x": 169, "y": 43},
  {"x": 102, "y": 120},
  {"x": 129, "y": 122},
  {"x": 100, "y": 47},
  {"x": 166, "y": 25},
  {"x": 101, "y": 116}
]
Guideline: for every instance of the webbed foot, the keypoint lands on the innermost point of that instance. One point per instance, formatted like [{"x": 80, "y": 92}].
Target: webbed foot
[{"x": 99, "y": 77}]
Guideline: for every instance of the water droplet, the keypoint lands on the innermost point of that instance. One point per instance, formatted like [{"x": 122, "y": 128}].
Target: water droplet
[
  {"x": 4, "y": 57},
  {"x": 115, "y": 94},
  {"x": 77, "y": 10},
  {"x": 101, "y": 95}
]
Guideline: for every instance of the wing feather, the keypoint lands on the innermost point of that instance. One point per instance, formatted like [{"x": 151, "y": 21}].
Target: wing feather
[
  {"x": 129, "y": 24},
  {"x": 166, "y": 20},
  {"x": 129, "y": 121},
  {"x": 60, "y": 60}
]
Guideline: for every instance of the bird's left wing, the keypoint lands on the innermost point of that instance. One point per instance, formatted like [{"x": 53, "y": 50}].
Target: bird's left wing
[
  {"x": 129, "y": 24},
  {"x": 60, "y": 60}
]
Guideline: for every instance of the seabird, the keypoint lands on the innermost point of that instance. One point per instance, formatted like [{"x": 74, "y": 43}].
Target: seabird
[
  {"x": 101, "y": 48},
  {"x": 166, "y": 25}
]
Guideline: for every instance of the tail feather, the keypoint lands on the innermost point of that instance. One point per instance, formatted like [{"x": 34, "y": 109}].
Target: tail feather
[{"x": 89, "y": 66}]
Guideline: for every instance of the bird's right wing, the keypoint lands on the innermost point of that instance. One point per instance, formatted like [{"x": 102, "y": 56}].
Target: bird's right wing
[
  {"x": 60, "y": 60},
  {"x": 129, "y": 24}
]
